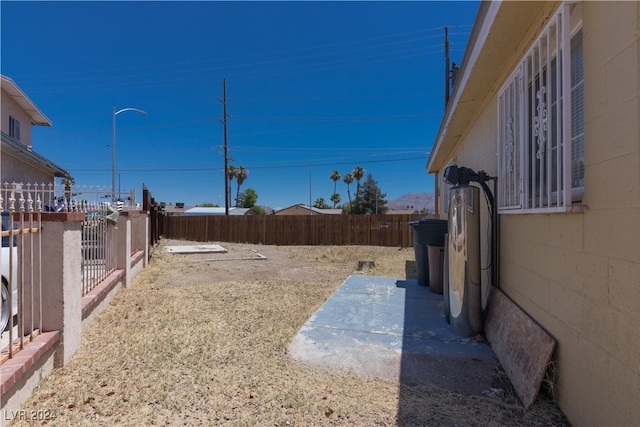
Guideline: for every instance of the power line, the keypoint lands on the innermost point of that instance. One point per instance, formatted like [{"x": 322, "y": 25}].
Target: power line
[
  {"x": 338, "y": 63},
  {"x": 336, "y": 98},
  {"x": 117, "y": 72},
  {"x": 341, "y": 148},
  {"x": 299, "y": 165}
]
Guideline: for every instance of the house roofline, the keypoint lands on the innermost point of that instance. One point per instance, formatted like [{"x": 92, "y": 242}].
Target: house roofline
[
  {"x": 501, "y": 31},
  {"x": 14, "y": 91},
  {"x": 313, "y": 209},
  {"x": 17, "y": 146},
  {"x": 486, "y": 15}
]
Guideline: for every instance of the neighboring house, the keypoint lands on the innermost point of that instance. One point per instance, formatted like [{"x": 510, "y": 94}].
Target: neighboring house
[
  {"x": 302, "y": 209},
  {"x": 401, "y": 212},
  {"x": 546, "y": 99},
  {"x": 178, "y": 210},
  {"x": 20, "y": 163},
  {"x": 206, "y": 211},
  {"x": 182, "y": 210}
]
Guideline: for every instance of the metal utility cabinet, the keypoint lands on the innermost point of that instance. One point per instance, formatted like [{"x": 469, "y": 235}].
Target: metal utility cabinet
[{"x": 463, "y": 257}]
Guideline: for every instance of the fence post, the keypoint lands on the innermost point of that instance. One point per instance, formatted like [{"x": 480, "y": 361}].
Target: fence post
[
  {"x": 146, "y": 239},
  {"x": 62, "y": 294},
  {"x": 123, "y": 247}
]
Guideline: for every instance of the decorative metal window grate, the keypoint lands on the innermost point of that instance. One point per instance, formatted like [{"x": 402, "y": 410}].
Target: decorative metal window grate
[{"x": 540, "y": 122}]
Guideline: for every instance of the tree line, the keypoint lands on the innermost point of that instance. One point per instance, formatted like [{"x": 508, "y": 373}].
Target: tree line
[{"x": 369, "y": 199}]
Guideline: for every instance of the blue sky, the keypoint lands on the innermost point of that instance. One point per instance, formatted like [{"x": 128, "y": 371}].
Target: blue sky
[{"x": 311, "y": 87}]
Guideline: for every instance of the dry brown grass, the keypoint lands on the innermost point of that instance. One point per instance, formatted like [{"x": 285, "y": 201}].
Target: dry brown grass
[{"x": 200, "y": 340}]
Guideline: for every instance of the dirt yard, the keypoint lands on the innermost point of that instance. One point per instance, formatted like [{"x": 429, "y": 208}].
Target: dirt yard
[{"x": 201, "y": 339}]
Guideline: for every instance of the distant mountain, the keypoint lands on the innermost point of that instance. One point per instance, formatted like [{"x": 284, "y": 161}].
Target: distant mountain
[{"x": 416, "y": 201}]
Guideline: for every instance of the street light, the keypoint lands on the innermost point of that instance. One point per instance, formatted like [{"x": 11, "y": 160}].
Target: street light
[{"x": 113, "y": 148}]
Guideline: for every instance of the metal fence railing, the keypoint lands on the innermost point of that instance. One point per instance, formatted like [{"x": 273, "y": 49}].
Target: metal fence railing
[
  {"x": 21, "y": 263},
  {"x": 23, "y": 206},
  {"x": 98, "y": 245}
]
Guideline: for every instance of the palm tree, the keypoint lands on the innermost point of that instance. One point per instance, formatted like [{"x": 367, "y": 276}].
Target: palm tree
[
  {"x": 348, "y": 179},
  {"x": 68, "y": 181},
  {"x": 241, "y": 175},
  {"x": 335, "y": 177},
  {"x": 335, "y": 198},
  {"x": 358, "y": 173}
]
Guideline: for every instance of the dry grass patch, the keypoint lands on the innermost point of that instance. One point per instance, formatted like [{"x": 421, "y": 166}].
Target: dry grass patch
[{"x": 198, "y": 340}]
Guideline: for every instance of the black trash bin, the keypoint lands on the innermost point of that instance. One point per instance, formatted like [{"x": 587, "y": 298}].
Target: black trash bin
[
  {"x": 426, "y": 232},
  {"x": 436, "y": 264}
]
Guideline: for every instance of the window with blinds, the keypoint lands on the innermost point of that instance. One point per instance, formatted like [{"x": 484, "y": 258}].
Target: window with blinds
[{"x": 540, "y": 122}]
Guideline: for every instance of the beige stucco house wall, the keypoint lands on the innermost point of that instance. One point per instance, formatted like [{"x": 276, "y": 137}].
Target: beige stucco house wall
[
  {"x": 19, "y": 161},
  {"x": 575, "y": 272}
]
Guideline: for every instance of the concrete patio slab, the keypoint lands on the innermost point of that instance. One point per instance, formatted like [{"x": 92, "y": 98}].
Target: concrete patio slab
[
  {"x": 195, "y": 249},
  {"x": 396, "y": 330}
]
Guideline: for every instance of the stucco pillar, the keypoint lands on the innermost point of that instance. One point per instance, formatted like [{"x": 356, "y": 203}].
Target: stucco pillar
[
  {"x": 123, "y": 247},
  {"x": 146, "y": 240},
  {"x": 61, "y": 281}
]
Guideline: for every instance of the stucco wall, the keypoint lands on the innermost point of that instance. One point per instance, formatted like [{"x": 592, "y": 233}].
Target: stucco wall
[
  {"x": 10, "y": 108},
  {"x": 15, "y": 170},
  {"x": 578, "y": 274}
]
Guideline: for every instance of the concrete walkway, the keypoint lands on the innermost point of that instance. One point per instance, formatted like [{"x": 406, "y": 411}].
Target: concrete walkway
[{"x": 396, "y": 330}]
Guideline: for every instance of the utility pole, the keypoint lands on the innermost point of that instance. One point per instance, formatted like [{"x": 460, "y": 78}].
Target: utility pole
[
  {"x": 226, "y": 146},
  {"x": 450, "y": 71},
  {"x": 446, "y": 71},
  {"x": 310, "y": 212}
]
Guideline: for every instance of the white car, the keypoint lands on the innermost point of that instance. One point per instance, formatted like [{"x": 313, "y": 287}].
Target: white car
[{"x": 7, "y": 252}]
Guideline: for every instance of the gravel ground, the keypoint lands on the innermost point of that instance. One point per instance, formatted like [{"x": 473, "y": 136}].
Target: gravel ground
[{"x": 201, "y": 339}]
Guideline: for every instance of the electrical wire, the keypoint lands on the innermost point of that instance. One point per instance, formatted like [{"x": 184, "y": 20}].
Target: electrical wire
[
  {"x": 298, "y": 165},
  {"x": 119, "y": 71}
]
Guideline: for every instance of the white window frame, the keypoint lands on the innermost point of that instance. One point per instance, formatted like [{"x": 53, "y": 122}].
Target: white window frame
[{"x": 535, "y": 131}]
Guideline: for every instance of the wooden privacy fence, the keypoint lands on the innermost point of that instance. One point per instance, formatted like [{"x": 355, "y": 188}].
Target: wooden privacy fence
[
  {"x": 150, "y": 205},
  {"x": 373, "y": 230}
]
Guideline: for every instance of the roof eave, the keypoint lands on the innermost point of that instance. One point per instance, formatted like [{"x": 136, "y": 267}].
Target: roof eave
[
  {"x": 39, "y": 159},
  {"x": 484, "y": 20},
  {"x": 502, "y": 31},
  {"x": 14, "y": 91}
]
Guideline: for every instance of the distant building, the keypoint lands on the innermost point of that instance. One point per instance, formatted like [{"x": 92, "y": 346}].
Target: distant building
[
  {"x": 175, "y": 210},
  {"x": 401, "y": 212},
  {"x": 207, "y": 211},
  {"x": 302, "y": 209}
]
